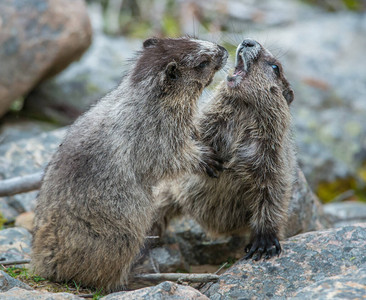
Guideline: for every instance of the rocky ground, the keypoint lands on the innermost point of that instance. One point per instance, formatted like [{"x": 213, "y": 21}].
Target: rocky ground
[{"x": 323, "y": 55}]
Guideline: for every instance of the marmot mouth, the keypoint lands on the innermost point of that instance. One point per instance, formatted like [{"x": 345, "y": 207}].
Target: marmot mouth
[{"x": 240, "y": 70}]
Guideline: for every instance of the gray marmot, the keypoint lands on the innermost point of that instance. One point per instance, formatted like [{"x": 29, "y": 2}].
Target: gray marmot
[
  {"x": 95, "y": 206},
  {"x": 248, "y": 124}
]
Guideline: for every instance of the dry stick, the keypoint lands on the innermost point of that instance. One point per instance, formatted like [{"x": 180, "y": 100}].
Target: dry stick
[
  {"x": 14, "y": 262},
  {"x": 22, "y": 184},
  {"x": 178, "y": 277}
]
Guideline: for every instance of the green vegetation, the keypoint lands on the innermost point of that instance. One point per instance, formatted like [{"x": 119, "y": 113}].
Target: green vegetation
[
  {"x": 336, "y": 5},
  {"x": 42, "y": 284}
]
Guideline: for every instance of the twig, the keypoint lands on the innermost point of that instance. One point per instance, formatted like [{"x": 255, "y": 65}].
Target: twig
[
  {"x": 22, "y": 184},
  {"x": 14, "y": 262},
  {"x": 178, "y": 277},
  {"x": 344, "y": 196},
  {"x": 223, "y": 266},
  {"x": 86, "y": 295}
]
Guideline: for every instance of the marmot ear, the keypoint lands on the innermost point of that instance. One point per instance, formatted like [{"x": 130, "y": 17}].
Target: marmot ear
[
  {"x": 171, "y": 71},
  {"x": 149, "y": 43},
  {"x": 289, "y": 95}
]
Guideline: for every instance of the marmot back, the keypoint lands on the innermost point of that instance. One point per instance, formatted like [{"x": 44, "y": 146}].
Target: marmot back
[
  {"x": 248, "y": 123},
  {"x": 95, "y": 205}
]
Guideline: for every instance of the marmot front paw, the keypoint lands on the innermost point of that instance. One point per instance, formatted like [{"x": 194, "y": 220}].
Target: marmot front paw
[{"x": 261, "y": 244}]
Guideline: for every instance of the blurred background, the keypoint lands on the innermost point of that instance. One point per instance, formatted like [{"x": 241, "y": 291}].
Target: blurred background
[{"x": 58, "y": 57}]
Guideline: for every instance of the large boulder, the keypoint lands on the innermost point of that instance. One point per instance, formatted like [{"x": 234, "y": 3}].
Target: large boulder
[
  {"x": 65, "y": 96},
  {"x": 308, "y": 260},
  {"x": 38, "y": 39}
]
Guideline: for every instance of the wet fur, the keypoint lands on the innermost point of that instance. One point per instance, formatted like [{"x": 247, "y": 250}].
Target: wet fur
[
  {"x": 95, "y": 206},
  {"x": 249, "y": 127}
]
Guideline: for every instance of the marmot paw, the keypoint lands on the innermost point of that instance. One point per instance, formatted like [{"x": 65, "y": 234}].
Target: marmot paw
[{"x": 263, "y": 244}]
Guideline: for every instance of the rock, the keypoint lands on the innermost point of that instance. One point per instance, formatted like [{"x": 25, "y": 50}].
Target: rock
[
  {"x": 15, "y": 244},
  {"x": 307, "y": 260},
  {"x": 22, "y": 157},
  {"x": 39, "y": 38},
  {"x": 351, "y": 285},
  {"x": 164, "y": 259},
  {"x": 164, "y": 290},
  {"x": 21, "y": 294},
  {"x": 64, "y": 97},
  {"x": 345, "y": 213},
  {"x": 16, "y": 128},
  {"x": 305, "y": 214},
  {"x": 25, "y": 220},
  {"x": 7, "y": 282}
]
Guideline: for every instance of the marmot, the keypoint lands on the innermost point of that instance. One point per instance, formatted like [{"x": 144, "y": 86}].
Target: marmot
[
  {"x": 95, "y": 205},
  {"x": 247, "y": 123}
]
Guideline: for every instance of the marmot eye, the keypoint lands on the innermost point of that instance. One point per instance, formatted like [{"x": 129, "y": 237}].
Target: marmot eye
[
  {"x": 276, "y": 69},
  {"x": 203, "y": 64}
]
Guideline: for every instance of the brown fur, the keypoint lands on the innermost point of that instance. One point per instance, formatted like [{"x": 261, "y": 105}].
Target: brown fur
[
  {"x": 248, "y": 124},
  {"x": 95, "y": 205}
]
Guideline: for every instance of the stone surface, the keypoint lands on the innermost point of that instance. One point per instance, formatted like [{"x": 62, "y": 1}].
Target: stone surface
[
  {"x": 164, "y": 290},
  {"x": 348, "y": 286},
  {"x": 64, "y": 97},
  {"x": 14, "y": 128},
  {"x": 307, "y": 259},
  {"x": 305, "y": 214},
  {"x": 22, "y": 157},
  {"x": 345, "y": 213},
  {"x": 21, "y": 294},
  {"x": 38, "y": 39},
  {"x": 15, "y": 243},
  {"x": 7, "y": 282}
]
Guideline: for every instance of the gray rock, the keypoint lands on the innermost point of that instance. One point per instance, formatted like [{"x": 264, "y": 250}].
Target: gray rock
[
  {"x": 21, "y": 294},
  {"x": 7, "y": 282},
  {"x": 15, "y": 244},
  {"x": 163, "y": 259},
  {"x": 348, "y": 286},
  {"x": 14, "y": 128},
  {"x": 307, "y": 259},
  {"x": 38, "y": 39},
  {"x": 305, "y": 214},
  {"x": 67, "y": 95},
  {"x": 345, "y": 213},
  {"x": 22, "y": 157},
  {"x": 164, "y": 290}
]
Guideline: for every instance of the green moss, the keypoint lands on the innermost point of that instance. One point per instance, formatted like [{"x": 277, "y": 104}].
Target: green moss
[
  {"x": 3, "y": 220},
  {"x": 355, "y": 5},
  {"x": 327, "y": 191}
]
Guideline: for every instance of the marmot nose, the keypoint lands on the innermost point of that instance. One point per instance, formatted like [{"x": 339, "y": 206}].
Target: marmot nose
[{"x": 248, "y": 43}]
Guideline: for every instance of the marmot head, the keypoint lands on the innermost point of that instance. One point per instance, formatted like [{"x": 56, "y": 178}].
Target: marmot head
[
  {"x": 258, "y": 75},
  {"x": 182, "y": 65}
]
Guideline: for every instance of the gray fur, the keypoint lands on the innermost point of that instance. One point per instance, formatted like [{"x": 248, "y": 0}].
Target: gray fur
[
  {"x": 248, "y": 124},
  {"x": 95, "y": 206}
]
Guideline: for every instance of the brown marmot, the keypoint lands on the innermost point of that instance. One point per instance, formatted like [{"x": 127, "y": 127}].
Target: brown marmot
[
  {"x": 247, "y": 123},
  {"x": 95, "y": 205}
]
